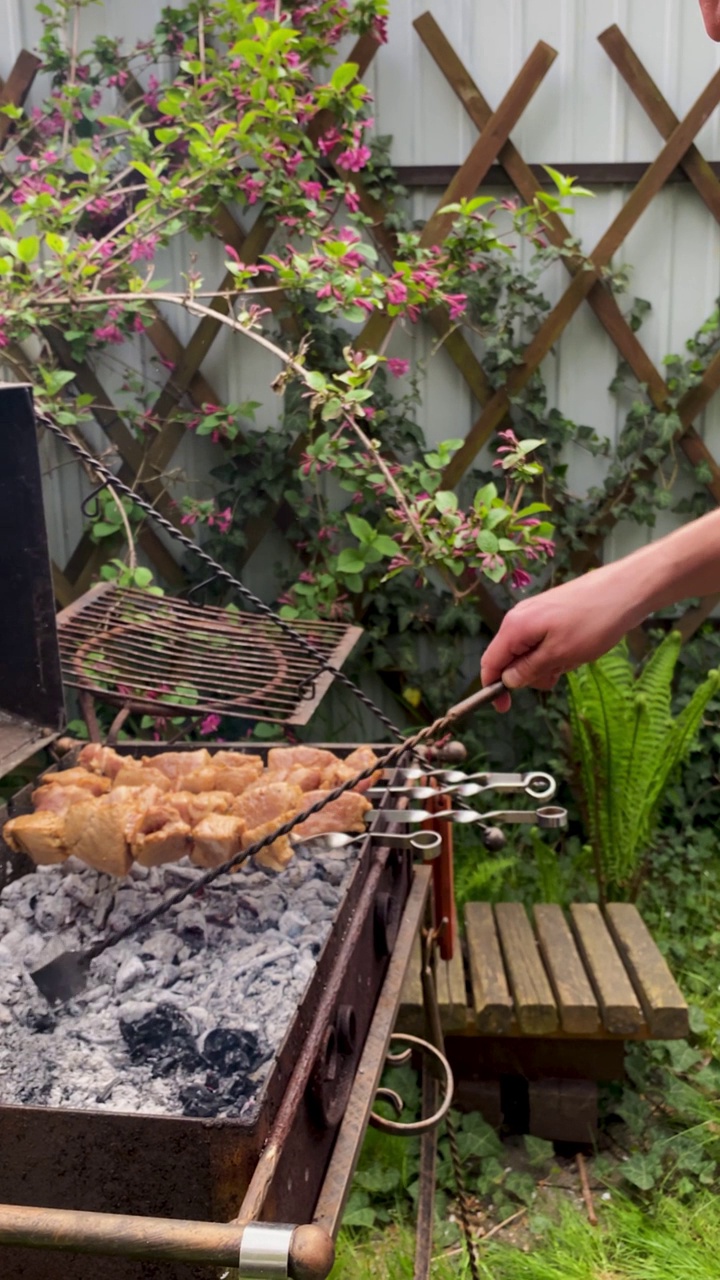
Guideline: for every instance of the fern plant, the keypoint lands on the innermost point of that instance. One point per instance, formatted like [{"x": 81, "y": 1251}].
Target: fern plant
[{"x": 626, "y": 749}]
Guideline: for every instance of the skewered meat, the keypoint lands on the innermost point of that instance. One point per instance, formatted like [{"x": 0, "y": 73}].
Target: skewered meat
[
  {"x": 283, "y": 759},
  {"x": 192, "y": 808},
  {"x": 347, "y": 813},
  {"x": 99, "y": 831},
  {"x": 47, "y": 799},
  {"x": 222, "y": 778},
  {"x": 160, "y": 836},
  {"x": 93, "y": 783},
  {"x": 177, "y": 764},
  {"x": 216, "y": 838},
  {"x": 111, "y": 809},
  {"x": 133, "y": 774},
  {"x": 41, "y": 835},
  {"x": 101, "y": 759}
]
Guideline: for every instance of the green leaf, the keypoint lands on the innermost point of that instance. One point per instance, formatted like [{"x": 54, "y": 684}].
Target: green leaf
[
  {"x": 142, "y": 577},
  {"x": 643, "y": 1170},
  {"x": 487, "y": 542},
  {"x": 446, "y": 501},
  {"x": 385, "y": 545},
  {"x": 316, "y": 380},
  {"x": 350, "y": 561},
  {"x": 28, "y": 248},
  {"x": 361, "y": 529},
  {"x": 344, "y": 75},
  {"x": 83, "y": 159}
]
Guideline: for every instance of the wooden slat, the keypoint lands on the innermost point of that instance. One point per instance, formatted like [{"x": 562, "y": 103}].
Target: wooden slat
[
  {"x": 532, "y": 994},
  {"x": 576, "y": 1002},
  {"x": 452, "y": 999},
  {"x": 666, "y": 1012},
  {"x": 16, "y": 88},
  {"x": 491, "y": 994},
  {"x": 557, "y": 319},
  {"x": 619, "y": 1005}
]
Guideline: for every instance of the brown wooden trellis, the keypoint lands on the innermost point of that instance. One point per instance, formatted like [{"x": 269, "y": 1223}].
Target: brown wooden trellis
[{"x": 147, "y": 465}]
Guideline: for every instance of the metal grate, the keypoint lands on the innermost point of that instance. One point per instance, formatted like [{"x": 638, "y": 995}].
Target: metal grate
[{"x": 155, "y": 653}]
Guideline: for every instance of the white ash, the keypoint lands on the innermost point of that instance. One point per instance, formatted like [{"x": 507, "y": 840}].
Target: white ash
[{"x": 186, "y": 1017}]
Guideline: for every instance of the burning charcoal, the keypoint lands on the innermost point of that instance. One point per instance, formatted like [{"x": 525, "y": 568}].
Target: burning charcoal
[
  {"x": 163, "y": 1038},
  {"x": 198, "y": 1101},
  {"x": 232, "y": 1053}
]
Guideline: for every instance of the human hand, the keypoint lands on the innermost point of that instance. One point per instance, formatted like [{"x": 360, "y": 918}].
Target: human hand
[{"x": 543, "y": 637}]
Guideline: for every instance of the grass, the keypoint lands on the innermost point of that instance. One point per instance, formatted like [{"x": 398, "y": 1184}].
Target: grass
[{"x": 670, "y": 1242}]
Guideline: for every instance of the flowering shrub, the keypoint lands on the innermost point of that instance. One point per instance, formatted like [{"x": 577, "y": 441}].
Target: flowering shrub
[{"x": 238, "y": 106}]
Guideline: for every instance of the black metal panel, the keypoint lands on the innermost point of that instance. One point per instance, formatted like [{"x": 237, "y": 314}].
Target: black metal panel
[{"x": 30, "y": 680}]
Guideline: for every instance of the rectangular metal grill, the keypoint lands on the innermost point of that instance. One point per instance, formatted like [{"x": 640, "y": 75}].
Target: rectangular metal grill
[{"x": 156, "y": 653}]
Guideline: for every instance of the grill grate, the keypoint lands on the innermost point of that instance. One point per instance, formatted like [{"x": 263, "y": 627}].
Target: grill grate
[{"x": 155, "y": 653}]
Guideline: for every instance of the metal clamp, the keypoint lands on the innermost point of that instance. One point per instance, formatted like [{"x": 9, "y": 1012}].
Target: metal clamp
[
  {"x": 265, "y": 1251},
  {"x": 415, "y": 1127}
]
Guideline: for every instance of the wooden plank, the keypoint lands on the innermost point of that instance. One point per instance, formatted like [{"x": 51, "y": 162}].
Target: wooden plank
[
  {"x": 598, "y": 173},
  {"x": 575, "y": 999},
  {"x": 641, "y": 84},
  {"x": 526, "y": 183},
  {"x": 561, "y": 314},
  {"x": 491, "y": 993},
  {"x": 619, "y": 1005},
  {"x": 452, "y": 999},
  {"x": 16, "y": 88},
  {"x": 532, "y": 994},
  {"x": 666, "y": 1012}
]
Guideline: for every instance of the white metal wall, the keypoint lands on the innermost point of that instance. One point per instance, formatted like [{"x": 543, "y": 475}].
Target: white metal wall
[{"x": 582, "y": 112}]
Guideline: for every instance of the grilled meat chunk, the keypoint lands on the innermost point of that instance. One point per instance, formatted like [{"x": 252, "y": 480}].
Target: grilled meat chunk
[
  {"x": 94, "y": 784},
  {"x": 101, "y": 759},
  {"x": 216, "y": 838},
  {"x": 347, "y": 813},
  {"x": 41, "y": 835}
]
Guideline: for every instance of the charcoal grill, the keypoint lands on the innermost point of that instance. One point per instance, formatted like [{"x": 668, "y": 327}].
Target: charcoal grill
[{"x": 189, "y": 1186}]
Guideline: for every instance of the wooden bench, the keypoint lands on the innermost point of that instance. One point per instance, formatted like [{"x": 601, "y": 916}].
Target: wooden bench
[{"x": 536, "y": 1009}]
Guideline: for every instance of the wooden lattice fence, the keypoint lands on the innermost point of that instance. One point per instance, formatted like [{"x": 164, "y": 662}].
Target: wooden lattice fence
[{"x": 145, "y": 464}]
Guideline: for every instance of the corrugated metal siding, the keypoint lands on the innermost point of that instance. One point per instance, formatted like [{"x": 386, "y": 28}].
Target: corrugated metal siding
[{"x": 582, "y": 112}]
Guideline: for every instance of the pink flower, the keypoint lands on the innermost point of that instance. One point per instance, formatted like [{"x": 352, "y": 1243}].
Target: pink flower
[
  {"x": 210, "y": 724},
  {"x": 252, "y": 188},
  {"x": 119, "y": 80},
  {"x": 520, "y": 579},
  {"x": 352, "y": 199},
  {"x": 456, "y": 304},
  {"x": 138, "y": 324},
  {"x": 313, "y": 190},
  {"x": 398, "y": 368},
  {"x": 306, "y": 576},
  {"x": 109, "y": 333},
  {"x": 396, "y": 292},
  {"x": 546, "y": 546},
  {"x": 3, "y": 336},
  {"x": 189, "y": 518},
  {"x": 152, "y": 95},
  {"x": 353, "y": 159},
  {"x": 143, "y": 249},
  {"x": 223, "y": 520},
  {"x": 329, "y": 141},
  {"x": 379, "y": 29}
]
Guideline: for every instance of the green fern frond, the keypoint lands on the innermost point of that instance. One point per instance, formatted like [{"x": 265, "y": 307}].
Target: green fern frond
[{"x": 679, "y": 741}]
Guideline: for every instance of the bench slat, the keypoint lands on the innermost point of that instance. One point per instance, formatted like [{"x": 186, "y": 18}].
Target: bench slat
[
  {"x": 576, "y": 1002},
  {"x": 535, "y": 1006},
  {"x": 662, "y": 1002},
  {"x": 491, "y": 995},
  {"x": 619, "y": 1005}
]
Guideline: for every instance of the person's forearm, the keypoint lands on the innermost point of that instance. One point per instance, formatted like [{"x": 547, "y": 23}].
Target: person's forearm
[{"x": 684, "y": 563}]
